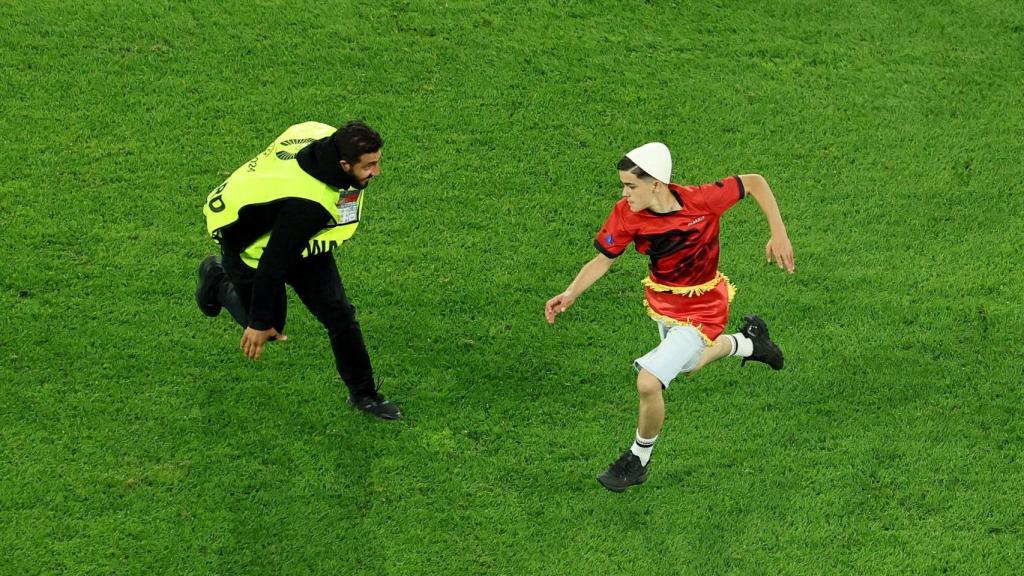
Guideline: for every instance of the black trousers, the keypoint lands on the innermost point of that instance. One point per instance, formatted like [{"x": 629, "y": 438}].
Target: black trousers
[{"x": 317, "y": 283}]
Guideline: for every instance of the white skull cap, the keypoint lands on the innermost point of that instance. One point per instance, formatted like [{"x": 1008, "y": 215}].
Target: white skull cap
[{"x": 655, "y": 159}]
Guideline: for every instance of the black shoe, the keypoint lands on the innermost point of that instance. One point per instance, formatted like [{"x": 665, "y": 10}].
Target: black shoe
[
  {"x": 623, "y": 473},
  {"x": 764, "y": 349},
  {"x": 210, "y": 275},
  {"x": 377, "y": 405}
]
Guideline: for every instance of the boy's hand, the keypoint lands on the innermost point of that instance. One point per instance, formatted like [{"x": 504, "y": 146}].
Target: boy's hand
[
  {"x": 779, "y": 249},
  {"x": 557, "y": 305}
]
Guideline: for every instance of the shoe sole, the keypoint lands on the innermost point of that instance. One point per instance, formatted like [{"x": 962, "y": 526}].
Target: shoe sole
[
  {"x": 772, "y": 366},
  {"x": 620, "y": 489},
  {"x": 380, "y": 416}
]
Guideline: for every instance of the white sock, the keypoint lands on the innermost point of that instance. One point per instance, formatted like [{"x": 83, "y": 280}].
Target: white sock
[
  {"x": 643, "y": 447},
  {"x": 741, "y": 345}
]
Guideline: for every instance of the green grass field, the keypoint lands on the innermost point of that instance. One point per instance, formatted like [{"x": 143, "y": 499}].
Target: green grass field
[{"x": 136, "y": 439}]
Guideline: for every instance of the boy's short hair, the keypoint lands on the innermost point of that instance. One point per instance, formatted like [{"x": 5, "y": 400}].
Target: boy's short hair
[
  {"x": 627, "y": 165},
  {"x": 355, "y": 139}
]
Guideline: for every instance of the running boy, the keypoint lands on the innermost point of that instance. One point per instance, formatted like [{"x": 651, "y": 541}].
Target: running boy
[{"x": 677, "y": 227}]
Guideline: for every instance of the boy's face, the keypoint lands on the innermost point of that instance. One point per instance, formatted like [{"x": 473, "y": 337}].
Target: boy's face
[{"x": 637, "y": 191}]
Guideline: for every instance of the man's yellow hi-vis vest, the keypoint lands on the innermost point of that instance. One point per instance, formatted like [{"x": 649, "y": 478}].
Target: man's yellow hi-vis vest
[{"x": 275, "y": 174}]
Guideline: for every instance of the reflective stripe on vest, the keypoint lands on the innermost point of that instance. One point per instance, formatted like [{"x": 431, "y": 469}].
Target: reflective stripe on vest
[{"x": 274, "y": 175}]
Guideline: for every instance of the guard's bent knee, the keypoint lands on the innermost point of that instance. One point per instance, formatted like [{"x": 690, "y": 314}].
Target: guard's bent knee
[{"x": 339, "y": 317}]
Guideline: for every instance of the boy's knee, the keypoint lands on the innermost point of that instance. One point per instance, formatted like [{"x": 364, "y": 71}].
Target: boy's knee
[{"x": 647, "y": 384}]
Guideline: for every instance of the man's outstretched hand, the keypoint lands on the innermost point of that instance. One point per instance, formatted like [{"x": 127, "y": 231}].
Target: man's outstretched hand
[{"x": 253, "y": 341}]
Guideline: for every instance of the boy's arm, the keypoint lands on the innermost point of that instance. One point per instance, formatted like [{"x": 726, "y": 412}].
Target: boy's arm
[
  {"x": 589, "y": 274},
  {"x": 778, "y": 247}
]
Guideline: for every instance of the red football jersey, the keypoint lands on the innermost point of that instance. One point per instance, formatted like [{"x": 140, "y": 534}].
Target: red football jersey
[{"x": 683, "y": 248}]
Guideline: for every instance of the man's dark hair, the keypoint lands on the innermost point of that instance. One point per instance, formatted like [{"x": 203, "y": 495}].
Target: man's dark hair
[
  {"x": 356, "y": 139},
  {"x": 627, "y": 165}
]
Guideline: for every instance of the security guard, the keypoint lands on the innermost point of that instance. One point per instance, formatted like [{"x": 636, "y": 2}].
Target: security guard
[{"x": 277, "y": 218}]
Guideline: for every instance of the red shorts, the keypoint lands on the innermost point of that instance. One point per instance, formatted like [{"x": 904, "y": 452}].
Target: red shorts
[{"x": 708, "y": 312}]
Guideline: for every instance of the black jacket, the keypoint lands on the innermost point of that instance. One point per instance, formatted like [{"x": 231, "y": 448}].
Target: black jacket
[{"x": 292, "y": 222}]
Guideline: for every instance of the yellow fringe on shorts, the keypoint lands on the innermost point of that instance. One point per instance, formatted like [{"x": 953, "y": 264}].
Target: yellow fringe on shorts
[
  {"x": 688, "y": 291},
  {"x": 692, "y": 290}
]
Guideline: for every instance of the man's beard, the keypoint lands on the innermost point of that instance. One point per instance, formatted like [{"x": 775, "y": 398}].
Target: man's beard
[{"x": 354, "y": 182}]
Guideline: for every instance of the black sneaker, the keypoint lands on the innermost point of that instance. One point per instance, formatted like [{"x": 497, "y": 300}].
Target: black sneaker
[
  {"x": 623, "y": 473},
  {"x": 210, "y": 275},
  {"x": 377, "y": 405},
  {"x": 764, "y": 349}
]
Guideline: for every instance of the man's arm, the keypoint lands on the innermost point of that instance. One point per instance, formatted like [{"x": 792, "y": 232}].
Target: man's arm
[
  {"x": 297, "y": 221},
  {"x": 589, "y": 274},
  {"x": 778, "y": 248}
]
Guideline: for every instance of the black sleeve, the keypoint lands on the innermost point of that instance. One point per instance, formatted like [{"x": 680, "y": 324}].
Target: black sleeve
[
  {"x": 297, "y": 221},
  {"x": 608, "y": 253},
  {"x": 743, "y": 191}
]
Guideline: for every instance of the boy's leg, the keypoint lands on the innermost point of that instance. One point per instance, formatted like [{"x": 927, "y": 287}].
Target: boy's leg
[
  {"x": 652, "y": 405},
  {"x": 679, "y": 351},
  {"x": 750, "y": 343},
  {"x": 650, "y": 417},
  {"x": 720, "y": 348}
]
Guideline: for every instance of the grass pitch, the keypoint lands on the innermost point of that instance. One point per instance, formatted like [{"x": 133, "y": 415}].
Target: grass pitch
[{"x": 137, "y": 440}]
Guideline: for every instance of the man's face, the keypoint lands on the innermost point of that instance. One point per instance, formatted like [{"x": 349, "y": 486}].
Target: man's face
[
  {"x": 637, "y": 191},
  {"x": 365, "y": 168}
]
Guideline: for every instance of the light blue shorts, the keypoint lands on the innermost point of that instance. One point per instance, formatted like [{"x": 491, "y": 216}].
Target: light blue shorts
[{"x": 679, "y": 351}]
